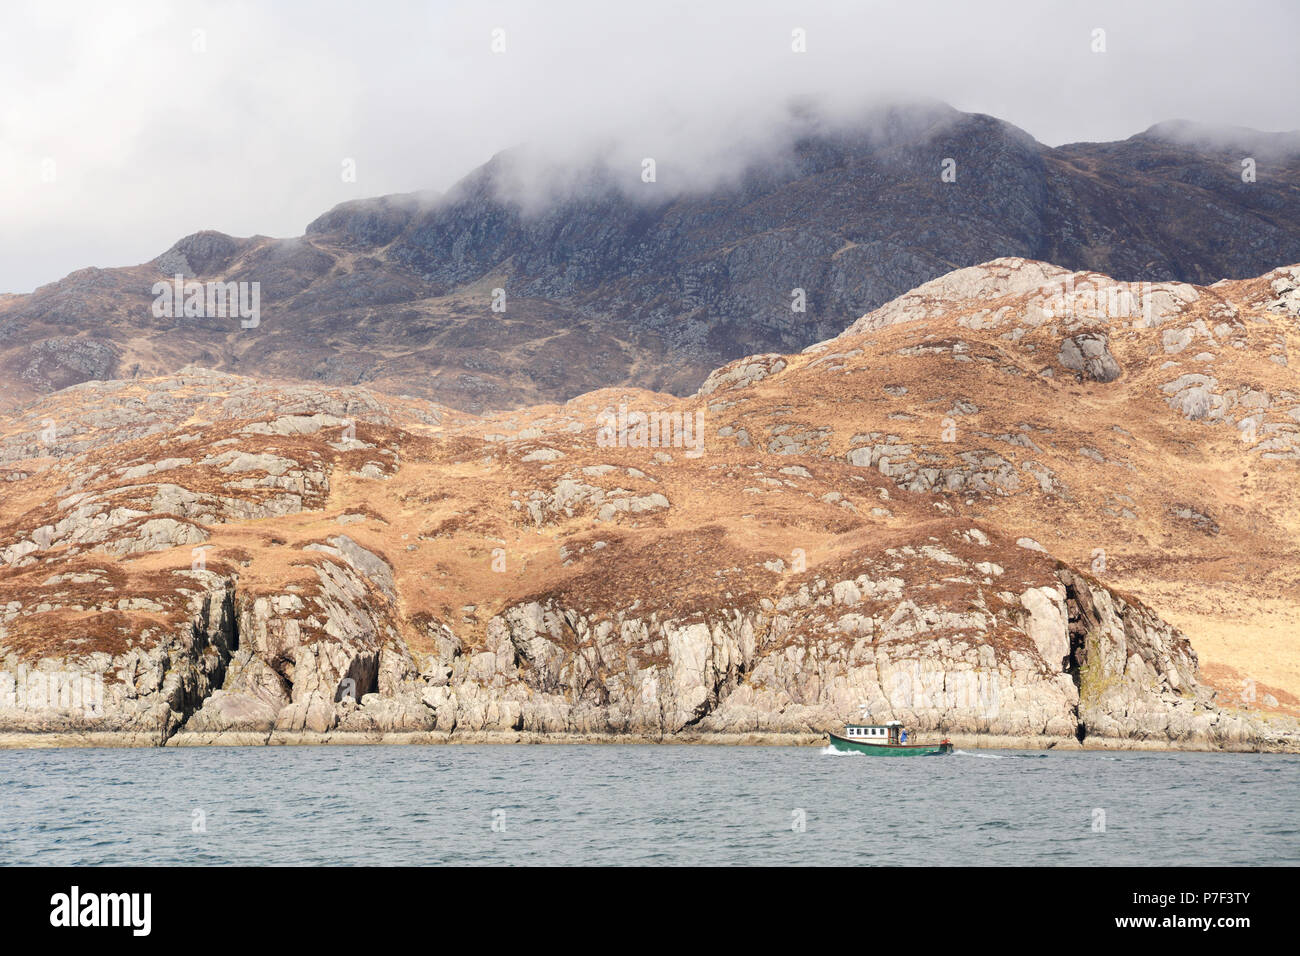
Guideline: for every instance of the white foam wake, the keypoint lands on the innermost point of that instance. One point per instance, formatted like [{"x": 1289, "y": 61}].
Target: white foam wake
[{"x": 832, "y": 752}]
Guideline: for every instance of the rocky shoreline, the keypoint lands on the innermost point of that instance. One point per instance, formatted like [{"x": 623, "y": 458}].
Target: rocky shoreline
[
  {"x": 1083, "y": 668},
  {"x": 126, "y": 739}
]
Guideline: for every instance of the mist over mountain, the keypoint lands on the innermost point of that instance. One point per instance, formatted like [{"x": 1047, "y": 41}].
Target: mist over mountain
[{"x": 540, "y": 276}]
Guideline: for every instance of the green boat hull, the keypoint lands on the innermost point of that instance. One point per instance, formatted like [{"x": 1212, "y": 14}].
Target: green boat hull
[{"x": 845, "y": 745}]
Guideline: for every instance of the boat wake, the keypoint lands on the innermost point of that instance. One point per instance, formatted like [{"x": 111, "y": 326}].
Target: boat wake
[
  {"x": 830, "y": 751},
  {"x": 967, "y": 753}
]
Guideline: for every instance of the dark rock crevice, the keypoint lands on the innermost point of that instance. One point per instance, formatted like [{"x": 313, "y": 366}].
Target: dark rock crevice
[
  {"x": 1074, "y": 662},
  {"x": 198, "y": 667}
]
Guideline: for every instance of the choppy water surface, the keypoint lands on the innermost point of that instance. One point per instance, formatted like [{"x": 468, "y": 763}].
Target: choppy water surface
[{"x": 643, "y": 805}]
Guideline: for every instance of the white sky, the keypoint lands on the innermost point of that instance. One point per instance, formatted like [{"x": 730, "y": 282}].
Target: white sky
[{"x": 151, "y": 140}]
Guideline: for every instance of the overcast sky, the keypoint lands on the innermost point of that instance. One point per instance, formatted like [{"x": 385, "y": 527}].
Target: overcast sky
[{"x": 123, "y": 129}]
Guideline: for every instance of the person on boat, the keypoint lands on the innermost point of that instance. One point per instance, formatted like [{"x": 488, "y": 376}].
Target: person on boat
[{"x": 902, "y": 737}]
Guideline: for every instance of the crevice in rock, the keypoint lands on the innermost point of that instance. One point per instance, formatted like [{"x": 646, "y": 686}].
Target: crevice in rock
[
  {"x": 363, "y": 672},
  {"x": 700, "y": 713},
  {"x": 234, "y": 619},
  {"x": 212, "y": 642},
  {"x": 1077, "y": 630},
  {"x": 734, "y": 676}
]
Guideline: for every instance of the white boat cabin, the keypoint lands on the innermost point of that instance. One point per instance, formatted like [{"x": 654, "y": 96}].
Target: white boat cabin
[{"x": 890, "y": 733}]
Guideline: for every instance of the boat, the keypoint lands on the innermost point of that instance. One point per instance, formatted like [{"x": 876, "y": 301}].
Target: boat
[{"x": 884, "y": 740}]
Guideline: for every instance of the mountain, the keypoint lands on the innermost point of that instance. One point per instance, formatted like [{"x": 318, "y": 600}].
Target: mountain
[
  {"x": 1016, "y": 505},
  {"x": 610, "y": 280}
]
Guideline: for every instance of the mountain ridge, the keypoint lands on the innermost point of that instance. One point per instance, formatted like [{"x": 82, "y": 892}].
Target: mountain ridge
[{"x": 658, "y": 290}]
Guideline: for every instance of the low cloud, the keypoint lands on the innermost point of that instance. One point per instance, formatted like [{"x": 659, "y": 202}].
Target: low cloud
[{"x": 123, "y": 129}]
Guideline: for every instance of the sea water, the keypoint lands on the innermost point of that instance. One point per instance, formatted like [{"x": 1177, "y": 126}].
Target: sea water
[{"x": 648, "y": 805}]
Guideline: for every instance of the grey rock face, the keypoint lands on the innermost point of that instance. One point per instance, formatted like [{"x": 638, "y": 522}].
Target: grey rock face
[
  {"x": 753, "y": 369},
  {"x": 1075, "y": 659},
  {"x": 1137, "y": 674},
  {"x": 64, "y": 360},
  {"x": 1089, "y": 354},
  {"x": 150, "y": 690}
]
